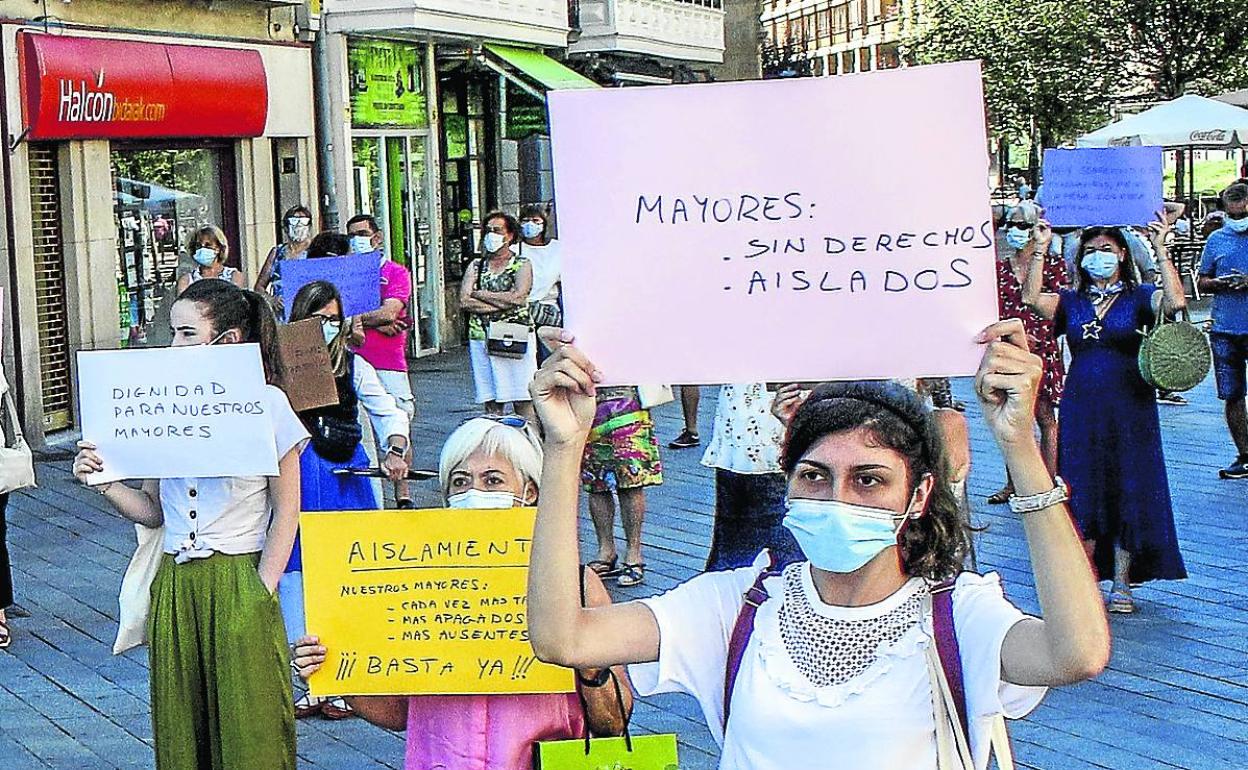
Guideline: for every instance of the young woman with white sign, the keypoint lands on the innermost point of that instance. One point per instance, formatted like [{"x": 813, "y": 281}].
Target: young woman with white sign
[
  {"x": 490, "y": 463},
  {"x": 221, "y": 695},
  {"x": 337, "y": 442},
  {"x": 851, "y": 658}
]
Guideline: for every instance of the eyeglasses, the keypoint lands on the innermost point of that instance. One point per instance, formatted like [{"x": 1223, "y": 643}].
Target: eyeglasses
[{"x": 1021, "y": 225}]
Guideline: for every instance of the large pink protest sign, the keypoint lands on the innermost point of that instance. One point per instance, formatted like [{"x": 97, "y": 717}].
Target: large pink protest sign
[{"x": 782, "y": 230}]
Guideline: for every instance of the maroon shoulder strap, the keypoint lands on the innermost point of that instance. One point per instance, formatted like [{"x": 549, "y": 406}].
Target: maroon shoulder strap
[
  {"x": 947, "y": 648},
  {"x": 743, "y": 629}
]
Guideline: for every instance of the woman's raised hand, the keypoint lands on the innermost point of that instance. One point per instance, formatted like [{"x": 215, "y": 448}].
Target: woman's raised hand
[
  {"x": 1159, "y": 229},
  {"x": 86, "y": 462},
  {"x": 1007, "y": 383},
  {"x": 563, "y": 390},
  {"x": 788, "y": 398},
  {"x": 307, "y": 656},
  {"x": 1042, "y": 236}
]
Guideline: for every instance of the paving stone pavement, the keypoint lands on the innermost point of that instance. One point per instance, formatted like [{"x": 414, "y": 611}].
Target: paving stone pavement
[{"x": 1175, "y": 695}]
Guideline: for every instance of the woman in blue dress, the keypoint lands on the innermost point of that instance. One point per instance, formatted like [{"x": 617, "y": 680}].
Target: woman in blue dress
[
  {"x": 1109, "y": 450},
  {"x": 336, "y": 443}
]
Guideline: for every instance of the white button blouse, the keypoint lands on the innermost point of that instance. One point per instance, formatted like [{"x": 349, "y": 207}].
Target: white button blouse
[{"x": 229, "y": 515}]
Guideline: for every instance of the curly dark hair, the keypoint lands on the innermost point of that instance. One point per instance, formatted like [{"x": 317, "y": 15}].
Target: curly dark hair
[{"x": 934, "y": 546}]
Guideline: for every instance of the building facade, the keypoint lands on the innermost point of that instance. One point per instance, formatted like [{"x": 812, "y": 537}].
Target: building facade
[
  {"x": 841, "y": 36},
  {"x": 439, "y": 113},
  {"x": 129, "y": 124}
]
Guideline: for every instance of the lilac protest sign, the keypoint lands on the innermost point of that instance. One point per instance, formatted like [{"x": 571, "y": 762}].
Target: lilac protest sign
[
  {"x": 358, "y": 278},
  {"x": 1102, "y": 186},
  {"x": 743, "y": 260}
]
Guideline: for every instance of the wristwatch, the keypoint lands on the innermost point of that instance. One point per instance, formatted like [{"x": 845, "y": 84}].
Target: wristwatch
[
  {"x": 396, "y": 451},
  {"x": 1060, "y": 493}
]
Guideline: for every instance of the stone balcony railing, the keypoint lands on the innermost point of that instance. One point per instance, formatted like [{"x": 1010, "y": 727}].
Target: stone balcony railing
[
  {"x": 669, "y": 29},
  {"x": 542, "y": 23}
]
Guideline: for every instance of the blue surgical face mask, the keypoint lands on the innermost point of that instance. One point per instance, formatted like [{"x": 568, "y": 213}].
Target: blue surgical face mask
[
  {"x": 331, "y": 330},
  {"x": 479, "y": 499},
  {"x": 361, "y": 244},
  {"x": 531, "y": 230},
  {"x": 841, "y": 537},
  {"x": 204, "y": 256},
  {"x": 1101, "y": 265},
  {"x": 1016, "y": 239},
  {"x": 1237, "y": 225}
]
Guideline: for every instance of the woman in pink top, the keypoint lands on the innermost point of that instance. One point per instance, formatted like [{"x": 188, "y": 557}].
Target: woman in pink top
[{"x": 489, "y": 463}]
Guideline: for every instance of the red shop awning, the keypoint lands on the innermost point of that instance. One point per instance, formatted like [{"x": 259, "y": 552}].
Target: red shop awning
[{"x": 92, "y": 88}]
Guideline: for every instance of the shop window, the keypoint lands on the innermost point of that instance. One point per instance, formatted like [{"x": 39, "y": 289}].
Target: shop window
[
  {"x": 818, "y": 66},
  {"x": 832, "y": 64},
  {"x": 847, "y": 62},
  {"x": 390, "y": 182},
  {"x": 864, "y": 59},
  {"x": 887, "y": 57},
  {"x": 160, "y": 196}
]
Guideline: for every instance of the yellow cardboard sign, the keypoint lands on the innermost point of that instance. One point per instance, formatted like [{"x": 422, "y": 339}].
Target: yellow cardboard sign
[{"x": 423, "y": 602}]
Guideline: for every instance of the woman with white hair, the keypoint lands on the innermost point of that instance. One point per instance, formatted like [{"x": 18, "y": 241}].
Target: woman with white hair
[
  {"x": 490, "y": 462},
  {"x": 1028, "y": 245}
]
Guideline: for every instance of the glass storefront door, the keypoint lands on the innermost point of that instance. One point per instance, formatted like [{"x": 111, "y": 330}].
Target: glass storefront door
[
  {"x": 391, "y": 182},
  {"x": 160, "y": 196}
]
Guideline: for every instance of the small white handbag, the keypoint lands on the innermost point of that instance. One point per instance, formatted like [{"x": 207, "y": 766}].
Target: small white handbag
[
  {"x": 650, "y": 396},
  {"x": 17, "y": 464}
]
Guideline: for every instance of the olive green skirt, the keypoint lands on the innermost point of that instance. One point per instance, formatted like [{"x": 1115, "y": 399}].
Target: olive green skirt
[{"x": 221, "y": 697}]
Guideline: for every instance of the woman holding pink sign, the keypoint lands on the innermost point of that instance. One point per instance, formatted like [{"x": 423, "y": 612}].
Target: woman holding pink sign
[
  {"x": 878, "y": 650},
  {"x": 221, "y": 696}
]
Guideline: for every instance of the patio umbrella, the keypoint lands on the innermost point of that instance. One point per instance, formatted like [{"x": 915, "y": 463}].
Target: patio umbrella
[{"x": 1189, "y": 121}]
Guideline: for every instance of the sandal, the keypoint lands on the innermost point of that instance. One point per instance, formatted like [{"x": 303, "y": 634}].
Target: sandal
[
  {"x": 1120, "y": 600},
  {"x": 604, "y": 568},
  {"x": 632, "y": 575},
  {"x": 337, "y": 708},
  {"x": 307, "y": 706},
  {"x": 6, "y": 638},
  {"x": 1001, "y": 496}
]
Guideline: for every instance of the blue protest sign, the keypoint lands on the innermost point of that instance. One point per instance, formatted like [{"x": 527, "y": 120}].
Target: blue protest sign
[
  {"x": 358, "y": 278},
  {"x": 1102, "y": 186}
]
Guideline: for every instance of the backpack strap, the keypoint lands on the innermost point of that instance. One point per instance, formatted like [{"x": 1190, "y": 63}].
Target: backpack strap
[
  {"x": 947, "y": 647},
  {"x": 743, "y": 629}
]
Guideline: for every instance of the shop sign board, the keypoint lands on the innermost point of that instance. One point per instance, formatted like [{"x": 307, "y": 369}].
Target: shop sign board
[
  {"x": 96, "y": 88},
  {"x": 387, "y": 84}
]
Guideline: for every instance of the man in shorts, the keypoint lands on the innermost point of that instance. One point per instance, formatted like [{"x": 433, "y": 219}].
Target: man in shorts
[
  {"x": 621, "y": 453},
  {"x": 1224, "y": 274},
  {"x": 385, "y": 330}
]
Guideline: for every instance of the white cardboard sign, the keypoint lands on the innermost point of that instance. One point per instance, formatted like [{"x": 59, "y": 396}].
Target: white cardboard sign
[{"x": 195, "y": 411}]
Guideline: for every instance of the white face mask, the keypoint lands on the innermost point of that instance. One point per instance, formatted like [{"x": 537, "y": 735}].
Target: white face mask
[
  {"x": 299, "y": 229},
  {"x": 479, "y": 499},
  {"x": 361, "y": 244},
  {"x": 493, "y": 242}
]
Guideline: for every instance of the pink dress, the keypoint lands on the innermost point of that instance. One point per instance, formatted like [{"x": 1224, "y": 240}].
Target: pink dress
[{"x": 486, "y": 732}]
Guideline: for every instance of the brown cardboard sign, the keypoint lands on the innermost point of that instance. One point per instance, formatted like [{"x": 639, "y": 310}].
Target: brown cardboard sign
[{"x": 309, "y": 376}]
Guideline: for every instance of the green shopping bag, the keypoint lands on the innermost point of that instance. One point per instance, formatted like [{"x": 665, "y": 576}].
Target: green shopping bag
[
  {"x": 638, "y": 752},
  {"x": 631, "y": 752}
]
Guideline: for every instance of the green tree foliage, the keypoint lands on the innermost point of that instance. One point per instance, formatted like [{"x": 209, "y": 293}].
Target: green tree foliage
[
  {"x": 1169, "y": 46},
  {"x": 1044, "y": 61}
]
